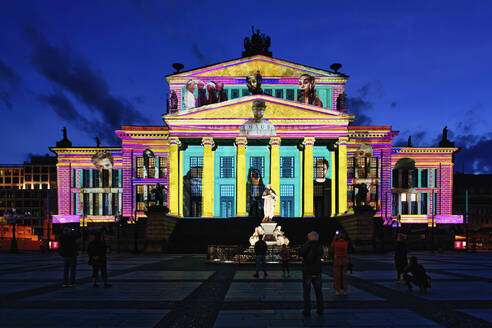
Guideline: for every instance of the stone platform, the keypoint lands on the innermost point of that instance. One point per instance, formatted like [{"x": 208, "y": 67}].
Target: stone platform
[{"x": 175, "y": 290}]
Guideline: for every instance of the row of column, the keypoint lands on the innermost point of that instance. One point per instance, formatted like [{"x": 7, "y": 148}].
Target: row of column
[{"x": 176, "y": 176}]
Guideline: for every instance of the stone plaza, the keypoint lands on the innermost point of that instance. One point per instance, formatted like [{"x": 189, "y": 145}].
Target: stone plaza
[{"x": 183, "y": 290}]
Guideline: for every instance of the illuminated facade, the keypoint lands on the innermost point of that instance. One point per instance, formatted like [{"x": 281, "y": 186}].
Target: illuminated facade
[{"x": 223, "y": 143}]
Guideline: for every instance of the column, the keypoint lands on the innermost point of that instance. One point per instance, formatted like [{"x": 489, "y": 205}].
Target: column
[
  {"x": 208, "y": 178},
  {"x": 174, "y": 175},
  {"x": 342, "y": 175},
  {"x": 180, "y": 184},
  {"x": 275, "y": 170},
  {"x": 241, "y": 143},
  {"x": 308, "y": 176}
]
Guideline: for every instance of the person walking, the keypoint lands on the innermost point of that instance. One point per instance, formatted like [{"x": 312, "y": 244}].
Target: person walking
[
  {"x": 311, "y": 253},
  {"x": 285, "y": 256},
  {"x": 401, "y": 261},
  {"x": 260, "y": 252},
  {"x": 340, "y": 263},
  {"x": 68, "y": 250},
  {"x": 97, "y": 258}
]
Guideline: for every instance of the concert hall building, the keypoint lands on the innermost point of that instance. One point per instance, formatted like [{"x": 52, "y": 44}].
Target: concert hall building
[{"x": 235, "y": 127}]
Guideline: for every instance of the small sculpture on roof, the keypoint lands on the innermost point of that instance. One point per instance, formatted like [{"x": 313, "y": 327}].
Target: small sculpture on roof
[{"x": 257, "y": 45}]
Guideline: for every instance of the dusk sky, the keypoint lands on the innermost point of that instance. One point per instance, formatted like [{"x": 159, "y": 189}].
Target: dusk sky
[{"x": 93, "y": 66}]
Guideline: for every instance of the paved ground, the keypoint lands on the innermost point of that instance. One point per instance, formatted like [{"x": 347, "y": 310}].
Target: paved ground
[{"x": 184, "y": 291}]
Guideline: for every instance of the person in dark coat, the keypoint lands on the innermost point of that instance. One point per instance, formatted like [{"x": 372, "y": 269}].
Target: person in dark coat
[
  {"x": 401, "y": 261},
  {"x": 68, "y": 249},
  {"x": 311, "y": 253},
  {"x": 415, "y": 273},
  {"x": 97, "y": 258},
  {"x": 260, "y": 252}
]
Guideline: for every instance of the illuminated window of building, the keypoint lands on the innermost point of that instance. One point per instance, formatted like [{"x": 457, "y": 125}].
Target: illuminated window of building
[
  {"x": 268, "y": 91},
  {"x": 162, "y": 167},
  {"x": 139, "y": 167},
  {"x": 287, "y": 166},
  {"x": 290, "y": 94},
  {"x": 403, "y": 197},
  {"x": 414, "y": 204},
  {"x": 15, "y": 180},
  {"x": 318, "y": 167},
  {"x": 86, "y": 178},
  {"x": 227, "y": 200},
  {"x": 374, "y": 172},
  {"x": 414, "y": 177},
  {"x": 279, "y": 93},
  {"x": 196, "y": 166},
  {"x": 350, "y": 167},
  {"x": 244, "y": 92},
  {"x": 115, "y": 203},
  {"x": 140, "y": 198},
  {"x": 257, "y": 163},
  {"x": 435, "y": 178},
  {"x": 15, "y": 172},
  {"x": 74, "y": 178},
  {"x": 287, "y": 200},
  {"x": 151, "y": 173},
  {"x": 227, "y": 167}
]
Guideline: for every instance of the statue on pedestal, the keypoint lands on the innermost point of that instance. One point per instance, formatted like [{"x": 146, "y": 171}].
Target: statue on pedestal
[{"x": 269, "y": 198}]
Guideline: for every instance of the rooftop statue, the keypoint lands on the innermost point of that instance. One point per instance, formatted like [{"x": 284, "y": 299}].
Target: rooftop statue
[{"x": 257, "y": 45}]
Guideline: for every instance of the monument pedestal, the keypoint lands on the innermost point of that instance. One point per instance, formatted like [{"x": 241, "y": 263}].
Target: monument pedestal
[{"x": 272, "y": 234}]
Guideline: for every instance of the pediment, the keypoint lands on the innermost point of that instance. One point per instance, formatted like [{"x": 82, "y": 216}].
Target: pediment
[
  {"x": 287, "y": 116},
  {"x": 268, "y": 67}
]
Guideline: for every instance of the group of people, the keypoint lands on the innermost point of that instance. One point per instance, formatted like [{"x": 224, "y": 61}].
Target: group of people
[
  {"x": 409, "y": 271},
  {"x": 311, "y": 253},
  {"x": 210, "y": 93},
  {"x": 96, "y": 251}
]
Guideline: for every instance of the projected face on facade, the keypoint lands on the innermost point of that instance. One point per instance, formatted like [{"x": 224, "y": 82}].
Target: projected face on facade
[
  {"x": 256, "y": 189},
  {"x": 258, "y": 126},
  {"x": 102, "y": 161},
  {"x": 322, "y": 189},
  {"x": 307, "y": 92}
]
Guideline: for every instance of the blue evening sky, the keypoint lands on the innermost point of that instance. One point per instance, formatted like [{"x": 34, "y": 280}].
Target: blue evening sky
[{"x": 96, "y": 65}]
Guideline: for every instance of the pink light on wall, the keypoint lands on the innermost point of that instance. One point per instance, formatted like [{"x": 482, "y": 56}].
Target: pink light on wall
[{"x": 449, "y": 219}]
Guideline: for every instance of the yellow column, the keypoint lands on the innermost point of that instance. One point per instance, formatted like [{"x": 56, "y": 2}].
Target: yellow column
[
  {"x": 333, "y": 185},
  {"x": 174, "y": 175},
  {"x": 180, "y": 184},
  {"x": 308, "y": 176},
  {"x": 241, "y": 143},
  {"x": 342, "y": 174},
  {"x": 275, "y": 170},
  {"x": 208, "y": 178}
]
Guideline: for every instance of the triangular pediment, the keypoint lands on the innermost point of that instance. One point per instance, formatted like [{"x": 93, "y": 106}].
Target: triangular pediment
[
  {"x": 268, "y": 67},
  {"x": 288, "y": 117}
]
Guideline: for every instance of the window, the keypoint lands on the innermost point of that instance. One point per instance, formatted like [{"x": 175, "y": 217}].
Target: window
[
  {"x": 290, "y": 94},
  {"x": 268, "y": 91},
  {"x": 423, "y": 202},
  {"x": 28, "y": 169},
  {"x": 424, "y": 178},
  {"x": 234, "y": 93},
  {"x": 414, "y": 204},
  {"x": 287, "y": 167},
  {"x": 435, "y": 178},
  {"x": 227, "y": 167},
  {"x": 257, "y": 163},
  {"x": 287, "y": 200},
  {"x": 95, "y": 203},
  {"x": 95, "y": 178},
  {"x": 227, "y": 200},
  {"x": 74, "y": 178},
  {"x": 319, "y": 167},
  {"x": 15, "y": 180},
  {"x": 196, "y": 166},
  {"x": 374, "y": 168},
  {"x": 44, "y": 169},
  {"x": 244, "y": 92},
  {"x": 162, "y": 168},
  {"x": 350, "y": 167},
  {"x": 74, "y": 204},
  {"x": 105, "y": 178},
  {"x": 86, "y": 178},
  {"x": 115, "y": 204},
  {"x": 140, "y": 198},
  {"x": 151, "y": 172},
  {"x": 139, "y": 172},
  {"x": 279, "y": 93},
  {"x": 115, "y": 177},
  {"x": 415, "y": 178},
  {"x": 105, "y": 200}
]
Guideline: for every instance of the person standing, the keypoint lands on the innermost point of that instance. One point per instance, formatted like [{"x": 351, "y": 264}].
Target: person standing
[
  {"x": 68, "y": 249},
  {"x": 97, "y": 258},
  {"x": 260, "y": 252},
  {"x": 285, "y": 256},
  {"x": 340, "y": 263},
  {"x": 311, "y": 253},
  {"x": 401, "y": 261}
]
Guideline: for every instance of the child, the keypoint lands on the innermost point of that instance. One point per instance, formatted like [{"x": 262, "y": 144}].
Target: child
[{"x": 285, "y": 255}]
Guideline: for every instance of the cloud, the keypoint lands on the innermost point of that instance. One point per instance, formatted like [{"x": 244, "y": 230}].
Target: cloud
[
  {"x": 359, "y": 106},
  {"x": 475, "y": 156},
  {"x": 65, "y": 109},
  {"x": 195, "y": 50},
  {"x": 75, "y": 76},
  {"x": 9, "y": 80},
  {"x": 394, "y": 104}
]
